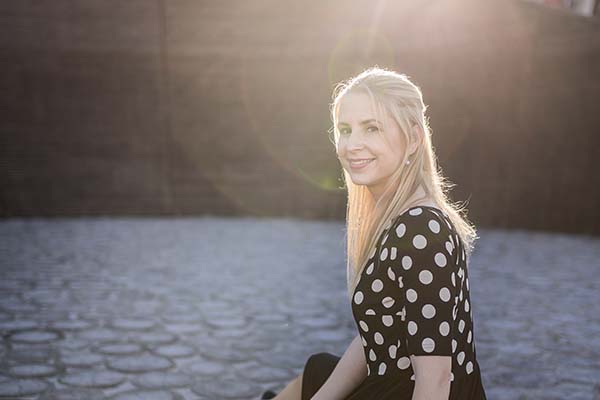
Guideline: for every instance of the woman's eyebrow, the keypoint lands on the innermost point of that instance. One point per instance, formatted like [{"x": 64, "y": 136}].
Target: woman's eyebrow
[{"x": 367, "y": 121}]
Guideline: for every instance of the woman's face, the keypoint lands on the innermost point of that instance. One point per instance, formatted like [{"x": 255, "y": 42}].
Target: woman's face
[{"x": 367, "y": 152}]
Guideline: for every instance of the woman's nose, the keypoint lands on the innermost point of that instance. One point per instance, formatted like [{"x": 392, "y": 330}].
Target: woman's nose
[{"x": 355, "y": 141}]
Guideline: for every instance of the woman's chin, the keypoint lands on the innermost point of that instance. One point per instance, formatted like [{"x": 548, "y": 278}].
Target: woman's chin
[{"x": 361, "y": 181}]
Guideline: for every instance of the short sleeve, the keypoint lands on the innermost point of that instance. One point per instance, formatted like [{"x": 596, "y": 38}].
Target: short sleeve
[{"x": 425, "y": 260}]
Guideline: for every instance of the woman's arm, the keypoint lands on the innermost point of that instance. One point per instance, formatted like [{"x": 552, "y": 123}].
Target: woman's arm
[
  {"x": 432, "y": 377},
  {"x": 349, "y": 372}
]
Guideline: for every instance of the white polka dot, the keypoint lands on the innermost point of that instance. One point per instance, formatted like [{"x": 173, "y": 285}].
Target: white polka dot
[
  {"x": 358, "y": 297},
  {"x": 445, "y": 294},
  {"x": 392, "y": 351},
  {"x": 388, "y": 302},
  {"x": 453, "y": 279},
  {"x": 454, "y": 344},
  {"x": 469, "y": 337},
  {"x": 467, "y": 282},
  {"x": 391, "y": 274},
  {"x": 444, "y": 328},
  {"x": 363, "y": 340},
  {"x": 393, "y": 254},
  {"x": 377, "y": 285},
  {"x": 400, "y": 283},
  {"x": 451, "y": 376},
  {"x": 434, "y": 226},
  {"x": 425, "y": 277},
  {"x": 402, "y": 313},
  {"x": 454, "y": 312},
  {"x": 370, "y": 268},
  {"x": 461, "y": 357},
  {"x": 406, "y": 262},
  {"x": 428, "y": 345},
  {"x": 372, "y": 253},
  {"x": 385, "y": 238},
  {"x": 370, "y": 312},
  {"x": 364, "y": 326},
  {"x": 419, "y": 242},
  {"x": 411, "y": 295},
  {"x": 467, "y": 305},
  {"x": 449, "y": 247},
  {"x": 469, "y": 367},
  {"x": 461, "y": 326},
  {"x": 403, "y": 362},
  {"x": 384, "y": 254},
  {"x": 415, "y": 211},
  {"x": 372, "y": 355},
  {"x": 387, "y": 320},
  {"x": 378, "y": 338},
  {"x": 440, "y": 260},
  {"x": 382, "y": 368},
  {"x": 412, "y": 327},
  {"x": 412, "y": 377},
  {"x": 428, "y": 311},
  {"x": 400, "y": 230}
]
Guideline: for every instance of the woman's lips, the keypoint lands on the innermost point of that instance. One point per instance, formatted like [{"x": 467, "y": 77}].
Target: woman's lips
[{"x": 361, "y": 164}]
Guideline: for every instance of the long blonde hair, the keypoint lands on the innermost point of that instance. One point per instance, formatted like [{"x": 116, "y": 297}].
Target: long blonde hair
[{"x": 366, "y": 219}]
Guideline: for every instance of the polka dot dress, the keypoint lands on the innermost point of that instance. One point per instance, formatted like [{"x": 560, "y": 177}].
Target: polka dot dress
[{"x": 412, "y": 299}]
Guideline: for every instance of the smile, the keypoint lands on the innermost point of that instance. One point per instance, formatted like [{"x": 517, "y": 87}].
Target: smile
[{"x": 360, "y": 164}]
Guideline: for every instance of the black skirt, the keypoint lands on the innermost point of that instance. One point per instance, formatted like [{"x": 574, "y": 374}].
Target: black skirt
[{"x": 319, "y": 367}]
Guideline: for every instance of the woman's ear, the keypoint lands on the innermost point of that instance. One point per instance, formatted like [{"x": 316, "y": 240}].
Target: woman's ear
[{"x": 416, "y": 138}]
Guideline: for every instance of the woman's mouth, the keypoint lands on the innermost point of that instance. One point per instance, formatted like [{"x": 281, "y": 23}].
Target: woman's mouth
[{"x": 358, "y": 164}]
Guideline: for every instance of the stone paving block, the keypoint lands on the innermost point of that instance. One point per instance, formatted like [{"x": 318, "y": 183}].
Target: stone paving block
[
  {"x": 139, "y": 363},
  {"x": 146, "y": 395},
  {"x": 72, "y": 394},
  {"x": 32, "y": 370},
  {"x": 92, "y": 379},
  {"x": 22, "y": 387}
]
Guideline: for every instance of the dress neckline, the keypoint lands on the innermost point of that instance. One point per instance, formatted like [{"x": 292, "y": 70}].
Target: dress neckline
[
  {"x": 437, "y": 208},
  {"x": 413, "y": 207}
]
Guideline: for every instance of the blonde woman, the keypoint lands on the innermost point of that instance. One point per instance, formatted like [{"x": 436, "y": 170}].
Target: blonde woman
[{"x": 408, "y": 251}]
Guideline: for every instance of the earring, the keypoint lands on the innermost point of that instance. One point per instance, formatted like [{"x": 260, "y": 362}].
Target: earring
[{"x": 407, "y": 162}]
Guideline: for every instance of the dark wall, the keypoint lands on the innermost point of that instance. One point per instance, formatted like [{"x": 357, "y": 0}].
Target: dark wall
[{"x": 187, "y": 107}]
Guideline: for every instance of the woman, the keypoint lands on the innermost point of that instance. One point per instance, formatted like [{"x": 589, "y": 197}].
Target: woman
[{"x": 408, "y": 250}]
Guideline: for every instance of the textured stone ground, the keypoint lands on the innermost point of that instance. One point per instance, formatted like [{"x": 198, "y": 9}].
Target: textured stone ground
[{"x": 213, "y": 308}]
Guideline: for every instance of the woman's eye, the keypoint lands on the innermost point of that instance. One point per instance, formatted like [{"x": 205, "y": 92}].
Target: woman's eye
[{"x": 346, "y": 131}]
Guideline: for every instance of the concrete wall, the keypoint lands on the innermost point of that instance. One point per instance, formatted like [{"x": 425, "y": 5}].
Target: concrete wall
[{"x": 189, "y": 107}]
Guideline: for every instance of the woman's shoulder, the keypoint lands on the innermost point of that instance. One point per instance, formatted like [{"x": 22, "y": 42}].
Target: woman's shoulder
[
  {"x": 423, "y": 234},
  {"x": 420, "y": 225},
  {"x": 424, "y": 214}
]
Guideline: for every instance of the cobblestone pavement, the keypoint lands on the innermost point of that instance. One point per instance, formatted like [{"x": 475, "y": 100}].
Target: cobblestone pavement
[{"x": 224, "y": 308}]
